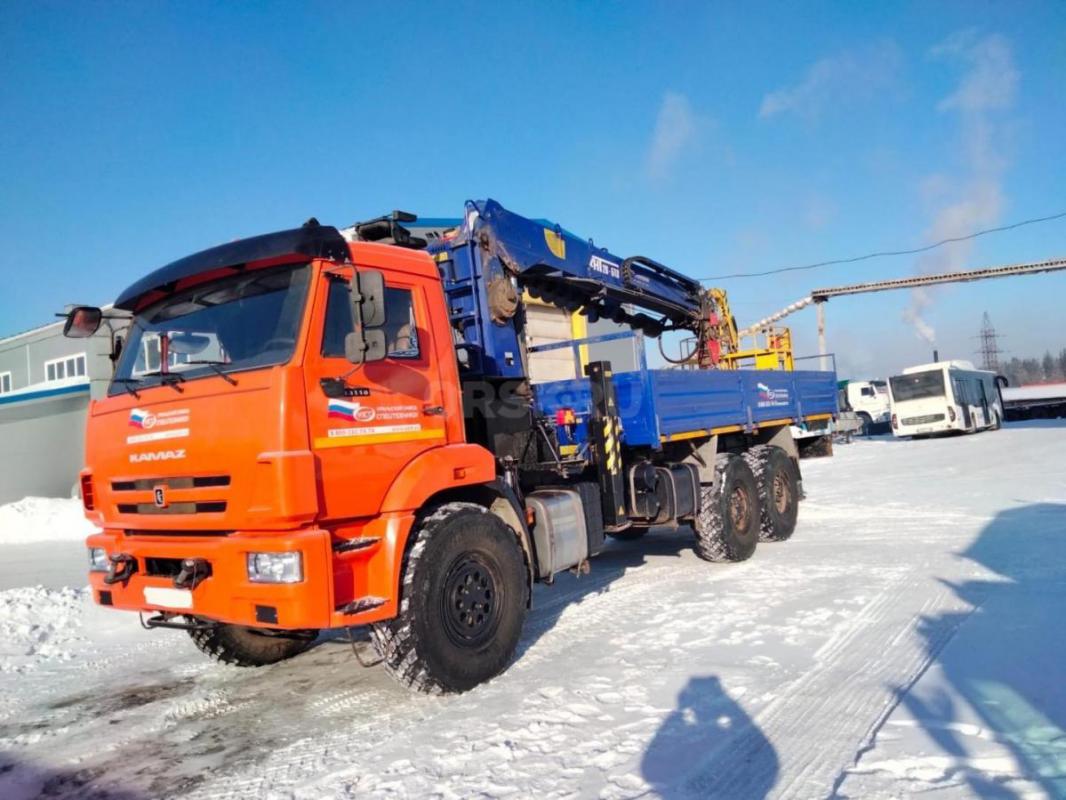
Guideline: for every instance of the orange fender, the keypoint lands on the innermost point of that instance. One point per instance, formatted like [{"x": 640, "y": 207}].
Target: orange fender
[{"x": 449, "y": 467}]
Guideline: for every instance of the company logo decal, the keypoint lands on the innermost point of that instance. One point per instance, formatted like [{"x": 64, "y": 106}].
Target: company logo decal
[
  {"x": 139, "y": 418},
  {"x": 157, "y": 455},
  {"x": 143, "y": 420},
  {"x": 769, "y": 398},
  {"x": 351, "y": 412},
  {"x": 393, "y": 423}
]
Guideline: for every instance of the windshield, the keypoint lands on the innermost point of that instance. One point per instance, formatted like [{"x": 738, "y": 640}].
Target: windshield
[
  {"x": 918, "y": 385},
  {"x": 245, "y": 321}
]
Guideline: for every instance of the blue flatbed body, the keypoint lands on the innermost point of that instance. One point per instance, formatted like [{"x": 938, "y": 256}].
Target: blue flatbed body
[{"x": 662, "y": 405}]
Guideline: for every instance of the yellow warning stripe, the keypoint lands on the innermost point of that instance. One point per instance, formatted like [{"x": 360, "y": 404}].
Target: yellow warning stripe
[
  {"x": 771, "y": 422},
  {"x": 677, "y": 437},
  {"x": 323, "y": 442}
]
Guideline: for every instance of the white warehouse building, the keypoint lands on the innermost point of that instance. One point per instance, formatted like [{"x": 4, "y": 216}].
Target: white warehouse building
[{"x": 46, "y": 382}]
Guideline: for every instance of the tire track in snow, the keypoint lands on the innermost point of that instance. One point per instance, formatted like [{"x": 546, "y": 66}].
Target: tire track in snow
[{"x": 818, "y": 719}]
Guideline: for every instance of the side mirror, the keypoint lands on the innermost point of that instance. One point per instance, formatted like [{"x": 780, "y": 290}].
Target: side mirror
[
  {"x": 368, "y": 292},
  {"x": 82, "y": 322},
  {"x": 363, "y": 346},
  {"x": 367, "y": 297}
]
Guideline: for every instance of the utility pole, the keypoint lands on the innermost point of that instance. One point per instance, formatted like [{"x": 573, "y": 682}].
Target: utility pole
[
  {"x": 989, "y": 346},
  {"x": 819, "y": 306}
]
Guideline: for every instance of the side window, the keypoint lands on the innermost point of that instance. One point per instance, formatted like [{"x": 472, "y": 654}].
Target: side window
[
  {"x": 867, "y": 391},
  {"x": 5, "y": 382},
  {"x": 338, "y": 320},
  {"x": 401, "y": 334}
]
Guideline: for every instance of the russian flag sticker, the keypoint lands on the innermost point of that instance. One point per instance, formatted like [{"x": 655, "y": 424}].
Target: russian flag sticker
[{"x": 338, "y": 409}]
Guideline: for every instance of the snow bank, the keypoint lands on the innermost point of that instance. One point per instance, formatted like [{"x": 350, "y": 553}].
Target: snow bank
[
  {"x": 39, "y": 625},
  {"x": 43, "y": 519}
]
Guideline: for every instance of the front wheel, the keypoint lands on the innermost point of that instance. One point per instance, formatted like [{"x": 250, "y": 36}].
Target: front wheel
[
  {"x": 727, "y": 527},
  {"x": 463, "y": 600}
]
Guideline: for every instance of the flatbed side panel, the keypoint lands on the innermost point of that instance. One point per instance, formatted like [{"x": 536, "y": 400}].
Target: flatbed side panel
[
  {"x": 817, "y": 392},
  {"x": 697, "y": 400},
  {"x": 664, "y": 403}
]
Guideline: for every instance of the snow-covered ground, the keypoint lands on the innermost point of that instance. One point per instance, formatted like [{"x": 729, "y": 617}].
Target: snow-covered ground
[{"x": 908, "y": 640}]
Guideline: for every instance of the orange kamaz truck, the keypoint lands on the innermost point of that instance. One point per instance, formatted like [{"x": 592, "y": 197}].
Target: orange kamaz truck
[{"x": 323, "y": 428}]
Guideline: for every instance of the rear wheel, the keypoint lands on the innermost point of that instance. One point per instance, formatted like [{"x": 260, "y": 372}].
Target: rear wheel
[
  {"x": 249, "y": 647},
  {"x": 777, "y": 480},
  {"x": 463, "y": 600},
  {"x": 727, "y": 527}
]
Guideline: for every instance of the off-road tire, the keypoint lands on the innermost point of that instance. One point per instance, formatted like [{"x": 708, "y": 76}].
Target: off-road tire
[
  {"x": 727, "y": 527},
  {"x": 463, "y": 598},
  {"x": 777, "y": 479},
  {"x": 249, "y": 647},
  {"x": 630, "y": 534}
]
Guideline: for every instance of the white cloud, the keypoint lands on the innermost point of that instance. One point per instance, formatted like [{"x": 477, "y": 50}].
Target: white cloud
[
  {"x": 855, "y": 74},
  {"x": 972, "y": 199},
  {"x": 675, "y": 130},
  {"x": 991, "y": 80}
]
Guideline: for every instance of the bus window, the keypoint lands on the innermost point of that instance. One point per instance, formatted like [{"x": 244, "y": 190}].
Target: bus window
[{"x": 917, "y": 385}]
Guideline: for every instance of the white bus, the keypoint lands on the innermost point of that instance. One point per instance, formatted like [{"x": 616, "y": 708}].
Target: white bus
[{"x": 944, "y": 396}]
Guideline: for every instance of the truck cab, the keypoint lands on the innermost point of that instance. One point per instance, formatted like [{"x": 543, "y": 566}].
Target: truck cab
[{"x": 869, "y": 400}]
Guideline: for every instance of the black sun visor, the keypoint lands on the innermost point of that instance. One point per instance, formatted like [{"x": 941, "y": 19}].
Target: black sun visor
[{"x": 313, "y": 241}]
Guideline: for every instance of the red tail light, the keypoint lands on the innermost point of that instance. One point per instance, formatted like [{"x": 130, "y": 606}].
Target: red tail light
[
  {"x": 87, "y": 498},
  {"x": 895, "y": 422},
  {"x": 951, "y": 413}
]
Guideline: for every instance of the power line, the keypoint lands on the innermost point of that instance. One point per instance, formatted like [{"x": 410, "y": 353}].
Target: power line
[{"x": 884, "y": 253}]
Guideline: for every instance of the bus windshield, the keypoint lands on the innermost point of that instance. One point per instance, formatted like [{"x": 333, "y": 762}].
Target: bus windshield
[{"x": 918, "y": 385}]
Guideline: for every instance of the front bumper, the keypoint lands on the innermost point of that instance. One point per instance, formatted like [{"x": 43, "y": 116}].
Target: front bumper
[{"x": 227, "y": 595}]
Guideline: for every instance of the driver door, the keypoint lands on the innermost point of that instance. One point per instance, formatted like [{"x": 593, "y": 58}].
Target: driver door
[{"x": 389, "y": 411}]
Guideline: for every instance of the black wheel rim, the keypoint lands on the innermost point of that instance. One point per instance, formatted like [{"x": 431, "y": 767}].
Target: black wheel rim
[{"x": 470, "y": 601}]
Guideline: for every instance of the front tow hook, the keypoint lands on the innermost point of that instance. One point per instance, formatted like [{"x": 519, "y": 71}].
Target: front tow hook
[
  {"x": 123, "y": 567},
  {"x": 193, "y": 572}
]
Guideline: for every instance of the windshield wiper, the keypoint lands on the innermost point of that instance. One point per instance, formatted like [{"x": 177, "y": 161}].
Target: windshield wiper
[
  {"x": 217, "y": 367},
  {"x": 171, "y": 379},
  {"x": 128, "y": 384}
]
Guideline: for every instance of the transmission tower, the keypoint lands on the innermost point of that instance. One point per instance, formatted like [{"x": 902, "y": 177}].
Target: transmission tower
[{"x": 989, "y": 345}]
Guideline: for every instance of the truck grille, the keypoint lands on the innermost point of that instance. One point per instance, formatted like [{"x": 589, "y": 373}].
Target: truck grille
[
  {"x": 186, "y": 533},
  {"x": 183, "y": 482},
  {"x": 201, "y": 507},
  {"x": 923, "y": 420}
]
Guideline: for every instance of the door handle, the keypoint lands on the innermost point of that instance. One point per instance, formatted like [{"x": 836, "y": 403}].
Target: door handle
[{"x": 432, "y": 410}]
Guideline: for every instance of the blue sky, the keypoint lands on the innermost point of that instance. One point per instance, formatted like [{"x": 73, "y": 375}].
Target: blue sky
[{"x": 713, "y": 137}]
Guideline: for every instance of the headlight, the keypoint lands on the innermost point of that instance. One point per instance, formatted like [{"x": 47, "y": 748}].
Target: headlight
[
  {"x": 98, "y": 560},
  {"x": 275, "y": 567}
]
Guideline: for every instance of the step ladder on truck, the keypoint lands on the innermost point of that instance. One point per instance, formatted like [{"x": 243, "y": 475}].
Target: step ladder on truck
[{"x": 323, "y": 429}]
